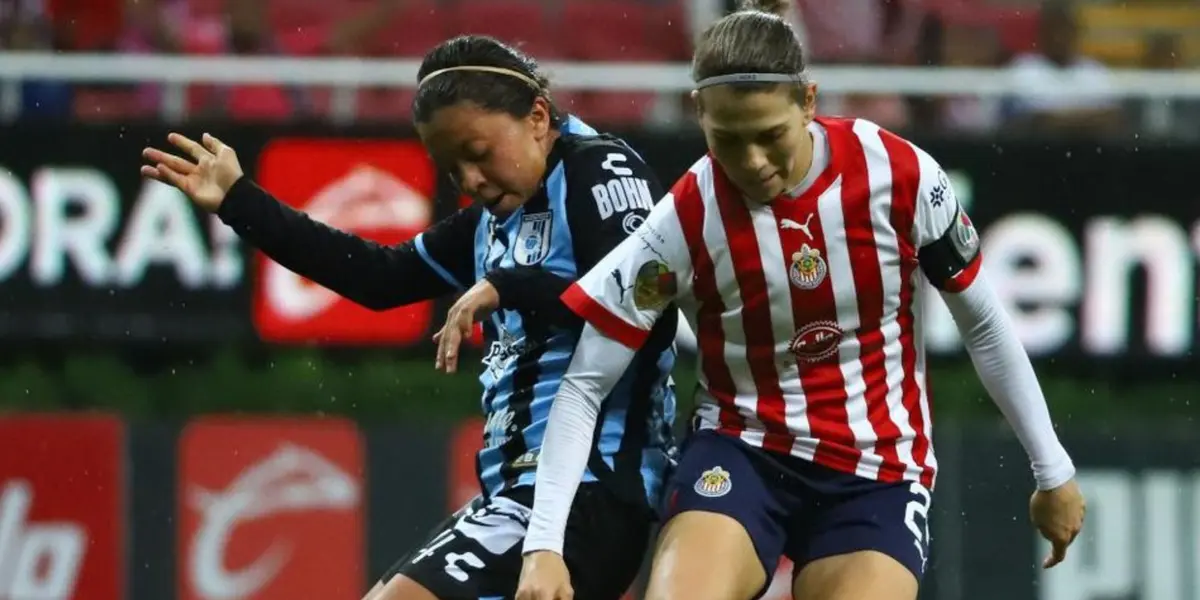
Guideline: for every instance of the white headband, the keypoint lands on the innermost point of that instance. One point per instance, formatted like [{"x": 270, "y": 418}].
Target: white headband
[
  {"x": 750, "y": 78},
  {"x": 484, "y": 69}
]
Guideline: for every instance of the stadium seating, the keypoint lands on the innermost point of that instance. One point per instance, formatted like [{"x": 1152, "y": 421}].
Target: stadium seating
[
  {"x": 522, "y": 23},
  {"x": 618, "y": 30},
  {"x": 621, "y": 30},
  {"x": 1117, "y": 34}
]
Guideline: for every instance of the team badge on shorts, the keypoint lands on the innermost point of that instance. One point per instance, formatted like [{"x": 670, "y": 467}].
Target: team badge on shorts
[
  {"x": 714, "y": 483},
  {"x": 808, "y": 269}
]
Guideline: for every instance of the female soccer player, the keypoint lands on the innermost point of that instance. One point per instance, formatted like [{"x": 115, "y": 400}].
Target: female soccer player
[
  {"x": 794, "y": 248},
  {"x": 550, "y": 202}
]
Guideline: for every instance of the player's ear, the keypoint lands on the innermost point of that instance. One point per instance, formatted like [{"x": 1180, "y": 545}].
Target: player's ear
[
  {"x": 808, "y": 101},
  {"x": 698, "y": 103},
  {"x": 539, "y": 118}
]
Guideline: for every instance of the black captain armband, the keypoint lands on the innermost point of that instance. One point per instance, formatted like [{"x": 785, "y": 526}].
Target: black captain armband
[{"x": 952, "y": 261}]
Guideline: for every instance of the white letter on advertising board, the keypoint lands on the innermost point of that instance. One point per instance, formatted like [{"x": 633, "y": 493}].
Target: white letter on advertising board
[
  {"x": 39, "y": 561},
  {"x": 14, "y": 224},
  {"x": 81, "y": 236},
  {"x": 1116, "y": 250},
  {"x": 162, "y": 229},
  {"x": 1034, "y": 265}
]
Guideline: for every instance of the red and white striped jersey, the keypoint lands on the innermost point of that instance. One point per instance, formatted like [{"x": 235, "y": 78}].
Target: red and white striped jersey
[{"x": 805, "y": 308}]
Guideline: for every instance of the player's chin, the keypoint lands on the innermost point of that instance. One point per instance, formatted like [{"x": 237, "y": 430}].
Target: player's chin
[{"x": 503, "y": 205}]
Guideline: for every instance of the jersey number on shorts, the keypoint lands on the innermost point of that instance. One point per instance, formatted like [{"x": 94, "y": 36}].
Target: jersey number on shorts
[
  {"x": 455, "y": 561},
  {"x": 918, "y": 507},
  {"x": 496, "y": 528}
]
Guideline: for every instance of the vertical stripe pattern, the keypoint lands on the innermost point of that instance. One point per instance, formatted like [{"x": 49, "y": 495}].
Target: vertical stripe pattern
[{"x": 806, "y": 309}]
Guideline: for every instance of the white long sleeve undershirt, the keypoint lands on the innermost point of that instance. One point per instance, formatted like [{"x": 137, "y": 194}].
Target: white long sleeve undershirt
[
  {"x": 1007, "y": 375},
  {"x": 595, "y": 369},
  {"x": 988, "y": 334}
]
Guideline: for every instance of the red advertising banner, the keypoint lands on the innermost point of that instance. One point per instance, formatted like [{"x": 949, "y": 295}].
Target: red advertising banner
[
  {"x": 270, "y": 509},
  {"x": 62, "y": 519},
  {"x": 383, "y": 191}
]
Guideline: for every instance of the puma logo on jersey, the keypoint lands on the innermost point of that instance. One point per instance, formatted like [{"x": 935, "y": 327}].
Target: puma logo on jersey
[
  {"x": 622, "y": 194},
  {"x": 790, "y": 224}
]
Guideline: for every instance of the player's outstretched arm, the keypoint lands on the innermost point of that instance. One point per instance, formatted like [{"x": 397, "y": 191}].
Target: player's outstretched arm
[
  {"x": 374, "y": 275},
  {"x": 949, "y": 253},
  {"x": 1057, "y": 507},
  {"x": 595, "y": 369}
]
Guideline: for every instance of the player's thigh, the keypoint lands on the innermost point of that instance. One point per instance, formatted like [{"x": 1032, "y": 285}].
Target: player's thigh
[
  {"x": 723, "y": 538},
  {"x": 872, "y": 542},
  {"x": 475, "y": 554},
  {"x": 605, "y": 543},
  {"x": 373, "y": 593},
  {"x": 705, "y": 556},
  {"x": 864, "y": 574},
  {"x": 400, "y": 587}
]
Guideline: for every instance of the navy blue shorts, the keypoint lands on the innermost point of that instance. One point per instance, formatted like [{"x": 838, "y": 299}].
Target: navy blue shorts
[{"x": 792, "y": 507}]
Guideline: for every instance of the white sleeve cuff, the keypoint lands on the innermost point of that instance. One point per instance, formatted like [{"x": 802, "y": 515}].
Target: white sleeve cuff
[
  {"x": 595, "y": 369},
  {"x": 1006, "y": 373}
]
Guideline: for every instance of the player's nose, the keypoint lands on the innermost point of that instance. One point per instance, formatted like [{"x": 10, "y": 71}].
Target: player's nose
[
  {"x": 470, "y": 179},
  {"x": 755, "y": 160}
]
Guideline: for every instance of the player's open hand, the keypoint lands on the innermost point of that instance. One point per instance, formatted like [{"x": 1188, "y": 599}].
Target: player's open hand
[
  {"x": 544, "y": 576},
  {"x": 205, "y": 179},
  {"x": 1058, "y": 515},
  {"x": 476, "y": 303}
]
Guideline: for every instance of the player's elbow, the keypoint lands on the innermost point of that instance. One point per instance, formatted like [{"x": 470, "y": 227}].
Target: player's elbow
[
  {"x": 577, "y": 397},
  {"x": 374, "y": 300}
]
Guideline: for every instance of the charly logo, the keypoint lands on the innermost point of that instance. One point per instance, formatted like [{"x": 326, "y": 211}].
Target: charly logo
[
  {"x": 366, "y": 198},
  {"x": 292, "y": 479}
]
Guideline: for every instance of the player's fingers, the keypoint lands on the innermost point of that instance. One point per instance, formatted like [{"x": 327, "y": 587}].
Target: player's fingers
[
  {"x": 170, "y": 176},
  {"x": 193, "y": 148},
  {"x": 1058, "y": 552},
  {"x": 177, "y": 163},
  {"x": 150, "y": 172},
  {"x": 466, "y": 321},
  {"x": 448, "y": 349},
  {"x": 211, "y": 143},
  {"x": 451, "y": 341},
  {"x": 439, "y": 339}
]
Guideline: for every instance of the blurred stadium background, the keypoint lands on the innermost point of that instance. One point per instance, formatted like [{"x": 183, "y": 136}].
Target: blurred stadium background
[{"x": 183, "y": 419}]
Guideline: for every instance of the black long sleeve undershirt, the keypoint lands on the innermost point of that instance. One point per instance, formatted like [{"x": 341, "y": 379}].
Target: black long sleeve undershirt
[{"x": 376, "y": 276}]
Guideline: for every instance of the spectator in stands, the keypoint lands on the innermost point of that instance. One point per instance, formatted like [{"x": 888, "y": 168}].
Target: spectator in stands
[
  {"x": 1169, "y": 117},
  {"x": 1057, "y": 90},
  {"x": 25, "y": 26},
  {"x": 957, "y": 40},
  {"x": 247, "y": 30}
]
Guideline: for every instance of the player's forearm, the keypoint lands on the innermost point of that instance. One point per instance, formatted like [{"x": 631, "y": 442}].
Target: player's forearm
[
  {"x": 595, "y": 369},
  {"x": 535, "y": 292},
  {"x": 376, "y": 276},
  {"x": 1006, "y": 373}
]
